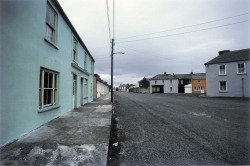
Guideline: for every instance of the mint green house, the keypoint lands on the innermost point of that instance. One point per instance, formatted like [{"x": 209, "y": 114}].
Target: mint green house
[{"x": 46, "y": 70}]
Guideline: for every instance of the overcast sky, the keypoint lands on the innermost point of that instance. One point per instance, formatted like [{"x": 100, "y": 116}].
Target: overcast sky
[{"x": 157, "y": 36}]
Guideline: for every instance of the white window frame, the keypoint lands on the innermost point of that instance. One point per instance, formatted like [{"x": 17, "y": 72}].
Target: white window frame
[
  {"x": 220, "y": 86},
  {"x": 75, "y": 50},
  {"x": 51, "y": 24},
  {"x": 85, "y": 60},
  {"x": 244, "y": 72},
  {"x": 53, "y": 88},
  {"x": 225, "y": 69}
]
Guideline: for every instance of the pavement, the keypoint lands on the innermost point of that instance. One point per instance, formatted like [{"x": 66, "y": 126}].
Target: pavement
[{"x": 79, "y": 137}]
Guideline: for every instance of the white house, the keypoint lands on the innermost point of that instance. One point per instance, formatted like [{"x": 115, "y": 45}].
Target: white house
[
  {"x": 164, "y": 83},
  {"x": 46, "y": 69},
  {"x": 101, "y": 87},
  {"x": 228, "y": 74}
]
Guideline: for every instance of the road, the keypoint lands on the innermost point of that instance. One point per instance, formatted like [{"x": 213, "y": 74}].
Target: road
[{"x": 175, "y": 129}]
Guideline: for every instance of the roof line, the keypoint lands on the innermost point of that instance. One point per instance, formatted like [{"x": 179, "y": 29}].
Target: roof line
[{"x": 59, "y": 8}]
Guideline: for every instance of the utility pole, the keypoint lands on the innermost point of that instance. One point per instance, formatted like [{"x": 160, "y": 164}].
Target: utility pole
[{"x": 112, "y": 54}]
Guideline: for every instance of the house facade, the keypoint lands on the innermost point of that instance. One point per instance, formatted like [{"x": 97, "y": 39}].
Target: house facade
[
  {"x": 199, "y": 83},
  {"x": 47, "y": 69},
  {"x": 101, "y": 87},
  {"x": 144, "y": 85},
  {"x": 227, "y": 74},
  {"x": 163, "y": 83}
]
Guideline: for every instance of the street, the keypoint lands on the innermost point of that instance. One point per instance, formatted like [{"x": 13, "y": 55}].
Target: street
[{"x": 179, "y": 129}]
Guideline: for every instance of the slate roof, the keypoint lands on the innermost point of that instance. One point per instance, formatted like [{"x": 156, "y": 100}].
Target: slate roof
[
  {"x": 163, "y": 77},
  {"x": 231, "y": 56},
  {"x": 199, "y": 76},
  {"x": 182, "y": 76}
]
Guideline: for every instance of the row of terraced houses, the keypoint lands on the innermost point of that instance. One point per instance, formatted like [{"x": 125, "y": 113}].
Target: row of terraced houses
[
  {"x": 46, "y": 69},
  {"x": 227, "y": 75}
]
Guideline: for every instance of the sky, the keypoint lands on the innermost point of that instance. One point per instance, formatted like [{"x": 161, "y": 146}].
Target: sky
[{"x": 157, "y": 36}]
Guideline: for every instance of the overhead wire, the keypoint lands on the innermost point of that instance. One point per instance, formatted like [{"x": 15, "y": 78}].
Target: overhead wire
[
  {"x": 184, "y": 26},
  {"x": 185, "y": 32}
]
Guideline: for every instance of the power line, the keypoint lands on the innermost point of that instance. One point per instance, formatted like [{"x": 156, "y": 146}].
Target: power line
[
  {"x": 108, "y": 20},
  {"x": 184, "y": 26},
  {"x": 185, "y": 32},
  {"x": 113, "y": 19}
]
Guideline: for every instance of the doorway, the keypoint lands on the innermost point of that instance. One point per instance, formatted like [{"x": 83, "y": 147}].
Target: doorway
[{"x": 74, "y": 91}]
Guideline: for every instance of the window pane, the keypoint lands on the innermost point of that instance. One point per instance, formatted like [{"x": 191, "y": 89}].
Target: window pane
[
  {"x": 46, "y": 79},
  {"x": 47, "y": 96},
  {"x": 49, "y": 33},
  {"x": 50, "y": 80},
  {"x": 50, "y": 16},
  {"x": 55, "y": 82}
]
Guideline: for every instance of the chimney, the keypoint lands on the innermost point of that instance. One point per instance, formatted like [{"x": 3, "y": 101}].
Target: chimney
[
  {"x": 191, "y": 73},
  {"x": 165, "y": 73},
  {"x": 223, "y": 51},
  {"x": 173, "y": 74}
]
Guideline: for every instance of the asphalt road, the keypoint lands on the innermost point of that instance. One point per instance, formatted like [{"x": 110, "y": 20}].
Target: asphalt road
[{"x": 174, "y": 129}]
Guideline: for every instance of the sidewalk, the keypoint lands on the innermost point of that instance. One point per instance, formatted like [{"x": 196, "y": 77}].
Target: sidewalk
[{"x": 80, "y": 137}]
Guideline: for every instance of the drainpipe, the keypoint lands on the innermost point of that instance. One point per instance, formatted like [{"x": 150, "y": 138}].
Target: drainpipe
[{"x": 242, "y": 87}]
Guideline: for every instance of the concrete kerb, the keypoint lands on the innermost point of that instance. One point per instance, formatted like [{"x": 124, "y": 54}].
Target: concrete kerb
[{"x": 77, "y": 137}]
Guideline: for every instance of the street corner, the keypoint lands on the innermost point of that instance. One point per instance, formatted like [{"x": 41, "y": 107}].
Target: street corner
[{"x": 55, "y": 154}]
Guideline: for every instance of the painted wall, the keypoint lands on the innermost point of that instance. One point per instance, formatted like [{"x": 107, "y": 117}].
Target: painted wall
[
  {"x": 173, "y": 85},
  {"x": 166, "y": 84},
  {"x": 234, "y": 80},
  {"x": 23, "y": 52},
  {"x": 197, "y": 84}
]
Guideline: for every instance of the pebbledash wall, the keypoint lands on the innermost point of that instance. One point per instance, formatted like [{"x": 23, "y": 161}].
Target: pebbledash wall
[{"x": 34, "y": 56}]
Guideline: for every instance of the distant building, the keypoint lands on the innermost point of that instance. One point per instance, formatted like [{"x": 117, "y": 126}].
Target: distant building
[
  {"x": 199, "y": 83},
  {"x": 123, "y": 87},
  {"x": 195, "y": 81},
  {"x": 228, "y": 74},
  {"x": 163, "y": 83},
  {"x": 144, "y": 85},
  {"x": 46, "y": 69},
  {"x": 101, "y": 87},
  {"x": 184, "y": 79}
]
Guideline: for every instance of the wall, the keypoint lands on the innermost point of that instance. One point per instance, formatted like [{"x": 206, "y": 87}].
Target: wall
[
  {"x": 196, "y": 83},
  {"x": 234, "y": 80},
  {"x": 174, "y": 86},
  {"x": 23, "y": 52}
]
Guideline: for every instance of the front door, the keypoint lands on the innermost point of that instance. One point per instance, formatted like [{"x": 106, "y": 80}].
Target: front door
[{"x": 74, "y": 91}]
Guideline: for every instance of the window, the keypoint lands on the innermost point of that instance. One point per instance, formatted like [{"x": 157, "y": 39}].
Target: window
[
  {"x": 85, "y": 61},
  {"x": 241, "y": 68},
  {"x": 171, "y": 89},
  {"x": 181, "y": 81},
  {"x": 48, "y": 94},
  {"x": 199, "y": 81},
  {"x": 75, "y": 44},
  {"x": 51, "y": 23},
  {"x": 155, "y": 81},
  {"x": 223, "y": 86},
  {"x": 170, "y": 81},
  {"x": 222, "y": 70},
  {"x": 163, "y": 81}
]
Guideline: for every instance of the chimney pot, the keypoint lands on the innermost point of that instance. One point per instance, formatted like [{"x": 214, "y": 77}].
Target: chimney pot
[{"x": 165, "y": 73}]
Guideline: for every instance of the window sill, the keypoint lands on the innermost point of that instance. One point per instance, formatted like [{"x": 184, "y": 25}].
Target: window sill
[
  {"x": 241, "y": 73},
  {"x": 51, "y": 43},
  {"x": 223, "y": 91},
  {"x": 222, "y": 75},
  {"x": 48, "y": 108}
]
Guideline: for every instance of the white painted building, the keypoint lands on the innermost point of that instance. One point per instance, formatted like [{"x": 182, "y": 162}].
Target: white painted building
[{"x": 164, "y": 83}]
